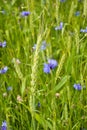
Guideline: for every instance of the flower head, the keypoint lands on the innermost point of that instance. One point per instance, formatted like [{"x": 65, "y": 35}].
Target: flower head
[
  {"x": 50, "y": 65},
  {"x": 19, "y": 98},
  {"x": 3, "y": 44},
  {"x": 4, "y": 125},
  {"x": 39, "y": 105},
  {"x": 84, "y": 30},
  {"x": 77, "y": 86},
  {"x": 59, "y": 27},
  {"x": 4, "y": 70},
  {"x": 46, "y": 68},
  {"x": 43, "y": 46},
  {"x": 25, "y": 13},
  {"x": 62, "y": 0},
  {"x": 3, "y": 11},
  {"x": 9, "y": 88},
  {"x": 77, "y": 13}
]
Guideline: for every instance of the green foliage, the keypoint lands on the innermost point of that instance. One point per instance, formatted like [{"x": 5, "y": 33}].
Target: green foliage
[{"x": 40, "y": 101}]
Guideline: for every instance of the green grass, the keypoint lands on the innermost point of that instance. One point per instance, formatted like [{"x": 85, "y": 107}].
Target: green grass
[{"x": 30, "y": 85}]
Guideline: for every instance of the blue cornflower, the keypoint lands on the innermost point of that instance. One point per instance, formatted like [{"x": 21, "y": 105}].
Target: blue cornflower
[
  {"x": 77, "y": 86},
  {"x": 25, "y": 13},
  {"x": 77, "y": 13},
  {"x": 3, "y": 44},
  {"x": 43, "y": 46},
  {"x": 9, "y": 88},
  {"x": 51, "y": 65},
  {"x": 62, "y": 0},
  {"x": 46, "y": 68},
  {"x": 34, "y": 47},
  {"x": 59, "y": 27},
  {"x": 4, "y": 70},
  {"x": 79, "y": 0},
  {"x": 4, "y": 125},
  {"x": 84, "y": 30},
  {"x": 3, "y": 12},
  {"x": 39, "y": 105}
]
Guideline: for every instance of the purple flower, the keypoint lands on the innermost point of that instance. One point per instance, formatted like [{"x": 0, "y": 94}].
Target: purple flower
[
  {"x": 79, "y": 0},
  {"x": 84, "y": 30},
  {"x": 4, "y": 125},
  {"x": 43, "y": 46},
  {"x": 77, "y": 86},
  {"x": 3, "y": 44},
  {"x": 3, "y": 12},
  {"x": 51, "y": 65},
  {"x": 25, "y": 13},
  {"x": 4, "y": 70},
  {"x": 9, "y": 88},
  {"x": 77, "y": 13},
  {"x": 46, "y": 68},
  {"x": 39, "y": 105},
  {"x": 62, "y": 0},
  {"x": 59, "y": 27}
]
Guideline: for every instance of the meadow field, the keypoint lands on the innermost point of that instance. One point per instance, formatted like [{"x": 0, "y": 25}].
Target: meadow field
[{"x": 43, "y": 64}]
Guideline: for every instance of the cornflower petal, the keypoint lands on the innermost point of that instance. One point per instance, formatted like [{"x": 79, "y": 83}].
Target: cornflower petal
[
  {"x": 62, "y": 0},
  {"x": 77, "y": 13},
  {"x": 43, "y": 46},
  {"x": 84, "y": 30},
  {"x": 9, "y": 88},
  {"x": 46, "y": 68},
  {"x": 77, "y": 86},
  {"x": 4, "y": 125},
  {"x": 52, "y": 63},
  {"x": 25, "y": 13},
  {"x": 4, "y": 70},
  {"x": 3, "y": 44},
  {"x": 59, "y": 27}
]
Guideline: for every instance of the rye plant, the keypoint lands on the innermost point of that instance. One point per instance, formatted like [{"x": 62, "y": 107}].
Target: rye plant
[{"x": 43, "y": 65}]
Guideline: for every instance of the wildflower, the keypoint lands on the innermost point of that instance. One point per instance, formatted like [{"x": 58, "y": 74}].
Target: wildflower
[
  {"x": 18, "y": 61},
  {"x": 39, "y": 105},
  {"x": 4, "y": 70},
  {"x": 79, "y": 0},
  {"x": 57, "y": 95},
  {"x": 5, "y": 94},
  {"x": 34, "y": 47},
  {"x": 3, "y": 12},
  {"x": 4, "y": 125},
  {"x": 3, "y": 44},
  {"x": 9, "y": 88},
  {"x": 43, "y": 46},
  {"x": 62, "y": 0},
  {"x": 19, "y": 99},
  {"x": 25, "y": 13},
  {"x": 46, "y": 68},
  {"x": 77, "y": 13},
  {"x": 77, "y": 86},
  {"x": 59, "y": 27},
  {"x": 51, "y": 65},
  {"x": 84, "y": 30}
]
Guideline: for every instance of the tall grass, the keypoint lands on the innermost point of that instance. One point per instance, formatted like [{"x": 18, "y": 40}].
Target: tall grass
[{"x": 36, "y": 100}]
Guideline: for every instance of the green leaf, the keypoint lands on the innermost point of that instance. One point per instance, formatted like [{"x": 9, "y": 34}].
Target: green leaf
[{"x": 60, "y": 84}]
